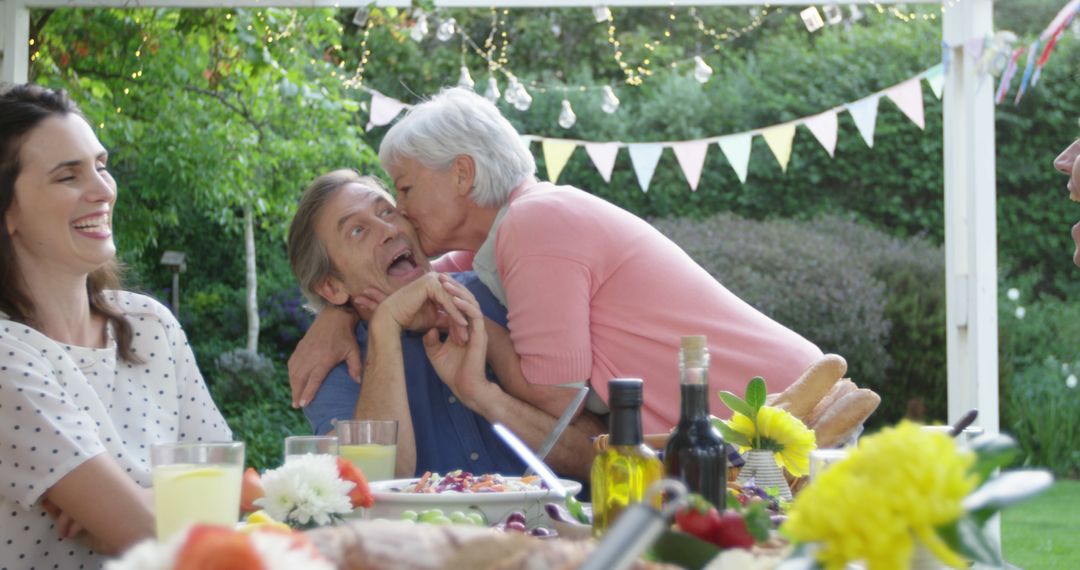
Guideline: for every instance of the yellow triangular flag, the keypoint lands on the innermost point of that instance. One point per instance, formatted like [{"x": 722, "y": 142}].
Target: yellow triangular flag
[
  {"x": 779, "y": 139},
  {"x": 556, "y": 153}
]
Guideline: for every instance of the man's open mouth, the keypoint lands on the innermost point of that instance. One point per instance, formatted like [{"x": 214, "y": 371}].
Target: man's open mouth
[{"x": 402, "y": 264}]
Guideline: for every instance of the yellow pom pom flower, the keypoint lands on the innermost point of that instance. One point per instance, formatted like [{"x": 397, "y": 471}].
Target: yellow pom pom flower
[{"x": 893, "y": 490}]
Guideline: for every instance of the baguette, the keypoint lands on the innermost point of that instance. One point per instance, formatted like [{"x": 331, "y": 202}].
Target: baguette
[
  {"x": 393, "y": 545},
  {"x": 842, "y": 418},
  {"x": 801, "y": 397},
  {"x": 839, "y": 390}
]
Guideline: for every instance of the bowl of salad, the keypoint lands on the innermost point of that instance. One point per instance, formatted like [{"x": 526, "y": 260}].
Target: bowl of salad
[{"x": 493, "y": 497}]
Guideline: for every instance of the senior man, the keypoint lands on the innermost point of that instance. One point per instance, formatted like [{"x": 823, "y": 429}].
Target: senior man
[{"x": 348, "y": 239}]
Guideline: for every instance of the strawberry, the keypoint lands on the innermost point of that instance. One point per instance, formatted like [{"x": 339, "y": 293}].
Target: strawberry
[
  {"x": 731, "y": 532},
  {"x": 698, "y": 519}
]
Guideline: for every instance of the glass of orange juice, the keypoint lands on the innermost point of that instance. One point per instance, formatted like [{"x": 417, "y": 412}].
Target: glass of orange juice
[
  {"x": 196, "y": 483},
  {"x": 371, "y": 445}
]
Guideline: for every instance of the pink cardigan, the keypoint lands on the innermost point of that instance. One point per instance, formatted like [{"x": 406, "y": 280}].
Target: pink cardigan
[{"x": 595, "y": 292}]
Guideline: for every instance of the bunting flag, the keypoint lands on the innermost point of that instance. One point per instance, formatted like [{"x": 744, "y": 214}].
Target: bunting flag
[
  {"x": 908, "y": 96},
  {"x": 736, "y": 149},
  {"x": 383, "y": 110},
  {"x": 1034, "y": 49},
  {"x": 779, "y": 139},
  {"x": 556, "y": 153},
  {"x": 1067, "y": 12},
  {"x": 935, "y": 77},
  {"x": 691, "y": 157},
  {"x": 823, "y": 127},
  {"x": 973, "y": 48},
  {"x": 644, "y": 157},
  {"x": 1007, "y": 76},
  {"x": 864, "y": 112},
  {"x": 603, "y": 157}
]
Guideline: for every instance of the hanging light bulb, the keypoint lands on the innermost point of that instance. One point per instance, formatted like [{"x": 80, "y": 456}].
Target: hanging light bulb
[
  {"x": 812, "y": 19},
  {"x": 492, "y": 92},
  {"x": 511, "y": 93},
  {"x": 360, "y": 17},
  {"x": 523, "y": 100},
  {"x": 465, "y": 81},
  {"x": 420, "y": 28},
  {"x": 610, "y": 103},
  {"x": 601, "y": 13},
  {"x": 702, "y": 71},
  {"x": 855, "y": 13},
  {"x": 446, "y": 30},
  {"x": 567, "y": 118},
  {"x": 833, "y": 15}
]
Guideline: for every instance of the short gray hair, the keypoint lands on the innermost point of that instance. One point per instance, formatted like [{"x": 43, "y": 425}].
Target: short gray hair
[
  {"x": 310, "y": 263},
  {"x": 459, "y": 122}
]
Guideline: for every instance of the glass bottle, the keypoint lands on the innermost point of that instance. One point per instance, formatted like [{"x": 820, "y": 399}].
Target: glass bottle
[
  {"x": 695, "y": 452},
  {"x": 623, "y": 471}
]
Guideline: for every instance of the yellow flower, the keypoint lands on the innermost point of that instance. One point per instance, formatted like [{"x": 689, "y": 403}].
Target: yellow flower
[
  {"x": 893, "y": 490},
  {"x": 778, "y": 431}
]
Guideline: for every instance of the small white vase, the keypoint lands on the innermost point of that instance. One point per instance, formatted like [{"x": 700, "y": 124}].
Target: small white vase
[{"x": 761, "y": 466}]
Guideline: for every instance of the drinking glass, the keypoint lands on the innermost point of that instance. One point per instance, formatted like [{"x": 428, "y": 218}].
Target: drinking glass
[
  {"x": 196, "y": 483},
  {"x": 821, "y": 459},
  {"x": 371, "y": 445},
  {"x": 297, "y": 445}
]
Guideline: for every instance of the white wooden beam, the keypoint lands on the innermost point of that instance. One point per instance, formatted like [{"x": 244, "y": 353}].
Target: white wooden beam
[{"x": 14, "y": 41}]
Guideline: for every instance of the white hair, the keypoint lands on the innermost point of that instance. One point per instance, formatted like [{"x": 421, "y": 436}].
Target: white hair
[{"x": 459, "y": 122}]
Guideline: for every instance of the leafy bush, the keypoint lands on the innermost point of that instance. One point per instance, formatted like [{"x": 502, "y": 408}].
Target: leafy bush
[
  {"x": 263, "y": 426},
  {"x": 1039, "y": 407},
  {"x": 839, "y": 284},
  {"x": 284, "y": 321}
]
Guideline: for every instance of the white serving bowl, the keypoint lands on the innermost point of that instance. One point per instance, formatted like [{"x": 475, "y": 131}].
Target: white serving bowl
[{"x": 391, "y": 502}]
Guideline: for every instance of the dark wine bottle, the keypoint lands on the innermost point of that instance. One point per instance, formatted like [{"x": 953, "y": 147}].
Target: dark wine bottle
[{"x": 695, "y": 452}]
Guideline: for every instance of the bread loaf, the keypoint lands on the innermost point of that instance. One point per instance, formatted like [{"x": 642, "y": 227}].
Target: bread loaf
[
  {"x": 839, "y": 390},
  {"x": 842, "y": 418},
  {"x": 801, "y": 397}
]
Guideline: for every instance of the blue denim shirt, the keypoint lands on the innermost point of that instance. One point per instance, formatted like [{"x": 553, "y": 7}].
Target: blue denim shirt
[{"x": 448, "y": 435}]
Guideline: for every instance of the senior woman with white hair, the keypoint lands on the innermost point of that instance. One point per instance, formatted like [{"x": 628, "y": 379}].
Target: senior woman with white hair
[{"x": 593, "y": 291}]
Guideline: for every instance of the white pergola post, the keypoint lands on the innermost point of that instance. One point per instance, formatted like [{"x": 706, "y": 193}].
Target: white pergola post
[
  {"x": 15, "y": 41},
  {"x": 970, "y": 220}
]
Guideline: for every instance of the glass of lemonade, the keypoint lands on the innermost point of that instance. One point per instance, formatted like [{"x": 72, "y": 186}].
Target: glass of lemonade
[
  {"x": 297, "y": 445},
  {"x": 371, "y": 445},
  {"x": 196, "y": 483}
]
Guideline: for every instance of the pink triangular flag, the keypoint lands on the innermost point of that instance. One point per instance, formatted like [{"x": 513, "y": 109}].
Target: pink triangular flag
[
  {"x": 973, "y": 48},
  {"x": 691, "y": 156},
  {"x": 383, "y": 110},
  {"x": 908, "y": 96},
  {"x": 823, "y": 127},
  {"x": 603, "y": 157}
]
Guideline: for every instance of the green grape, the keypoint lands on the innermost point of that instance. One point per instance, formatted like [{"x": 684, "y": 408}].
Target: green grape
[
  {"x": 441, "y": 519},
  {"x": 409, "y": 516},
  {"x": 458, "y": 517},
  {"x": 476, "y": 519},
  {"x": 428, "y": 515}
]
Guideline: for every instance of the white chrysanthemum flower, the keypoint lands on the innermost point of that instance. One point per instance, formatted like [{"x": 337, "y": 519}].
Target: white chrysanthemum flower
[
  {"x": 278, "y": 553},
  {"x": 1013, "y": 294},
  {"x": 1020, "y": 312},
  {"x": 306, "y": 489},
  {"x": 1071, "y": 381}
]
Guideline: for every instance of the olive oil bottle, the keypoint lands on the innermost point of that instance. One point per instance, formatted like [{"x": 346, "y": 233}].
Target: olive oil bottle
[
  {"x": 623, "y": 471},
  {"x": 695, "y": 453}
]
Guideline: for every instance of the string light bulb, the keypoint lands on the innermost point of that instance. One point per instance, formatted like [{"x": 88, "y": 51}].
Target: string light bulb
[
  {"x": 523, "y": 100},
  {"x": 446, "y": 30},
  {"x": 702, "y": 71},
  {"x": 855, "y": 14},
  {"x": 567, "y": 118},
  {"x": 601, "y": 13},
  {"x": 610, "y": 104},
  {"x": 465, "y": 81},
  {"x": 420, "y": 29},
  {"x": 492, "y": 92},
  {"x": 511, "y": 93},
  {"x": 833, "y": 15}
]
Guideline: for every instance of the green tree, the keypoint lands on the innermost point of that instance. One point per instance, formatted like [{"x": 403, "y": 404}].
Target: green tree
[{"x": 228, "y": 110}]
